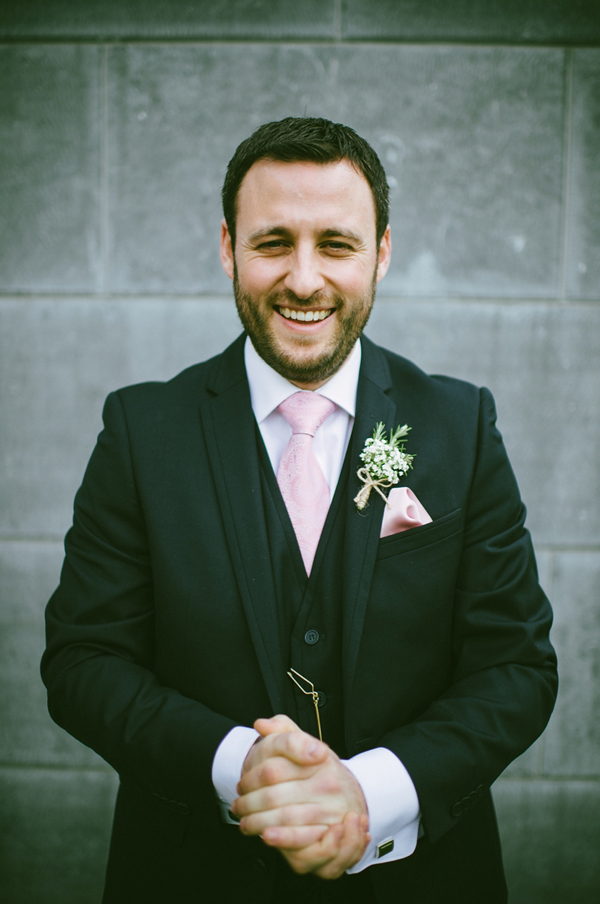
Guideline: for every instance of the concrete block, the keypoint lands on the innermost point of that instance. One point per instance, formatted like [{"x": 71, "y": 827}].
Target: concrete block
[
  {"x": 471, "y": 139},
  {"x": 542, "y": 362},
  {"x": 529, "y": 21},
  {"x": 549, "y": 834},
  {"x": 29, "y": 573},
  {"x": 583, "y": 262},
  {"x": 50, "y": 164},
  {"x": 177, "y": 114},
  {"x": 212, "y": 19},
  {"x": 58, "y": 361},
  {"x": 572, "y": 741},
  {"x": 55, "y": 835}
]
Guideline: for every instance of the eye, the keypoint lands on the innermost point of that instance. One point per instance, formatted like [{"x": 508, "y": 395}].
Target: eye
[
  {"x": 273, "y": 245},
  {"x": 337, "y": 247}
]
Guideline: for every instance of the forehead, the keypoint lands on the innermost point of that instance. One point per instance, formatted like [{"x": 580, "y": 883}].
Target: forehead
[{"x": 302, "y": 192}]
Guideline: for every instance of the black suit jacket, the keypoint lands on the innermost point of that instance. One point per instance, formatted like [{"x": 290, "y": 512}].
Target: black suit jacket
[{"x": 163, "y": 633}]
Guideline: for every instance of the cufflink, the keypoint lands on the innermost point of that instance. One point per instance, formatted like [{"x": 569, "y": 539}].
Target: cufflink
[
  {"x": 227, "y": 815},
  {"x": 386, "y": 848}
]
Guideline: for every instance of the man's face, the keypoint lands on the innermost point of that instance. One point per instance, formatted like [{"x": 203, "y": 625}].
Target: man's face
[{"x": 305, "y": 264}]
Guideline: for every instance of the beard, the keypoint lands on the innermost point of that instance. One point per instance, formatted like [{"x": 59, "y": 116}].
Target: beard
[{"x": 299, "y": 366}]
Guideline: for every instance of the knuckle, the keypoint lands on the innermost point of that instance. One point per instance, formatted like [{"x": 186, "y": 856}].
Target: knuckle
[
  {"x": 270, "y": 773},
  {"x": 330, "y": 783}
]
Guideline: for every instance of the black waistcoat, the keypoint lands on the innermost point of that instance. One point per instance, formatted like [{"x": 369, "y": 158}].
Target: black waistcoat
[{"x": 309, "y": 609}]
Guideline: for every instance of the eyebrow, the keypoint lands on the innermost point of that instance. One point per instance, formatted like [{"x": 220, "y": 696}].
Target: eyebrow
[{"x": 286, "y": 233}]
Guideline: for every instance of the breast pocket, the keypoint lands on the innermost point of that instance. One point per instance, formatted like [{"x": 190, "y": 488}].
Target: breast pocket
[
  {"x": 418, "y": 538},
  {"x": 412, "y": 592}
]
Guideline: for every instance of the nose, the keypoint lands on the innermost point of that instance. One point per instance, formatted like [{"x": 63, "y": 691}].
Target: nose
[{"x": 304, "y": 276}]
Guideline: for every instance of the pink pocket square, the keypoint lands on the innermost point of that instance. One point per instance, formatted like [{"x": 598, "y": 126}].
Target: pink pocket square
[{"x": 402, "y": 512}]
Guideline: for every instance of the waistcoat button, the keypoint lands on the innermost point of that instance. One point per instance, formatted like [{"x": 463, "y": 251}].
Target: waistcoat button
[{"x": 311, "y": 636}]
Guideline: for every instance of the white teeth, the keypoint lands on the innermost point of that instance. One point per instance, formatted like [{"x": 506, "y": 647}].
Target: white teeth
[{"x": 305, "y": 316}]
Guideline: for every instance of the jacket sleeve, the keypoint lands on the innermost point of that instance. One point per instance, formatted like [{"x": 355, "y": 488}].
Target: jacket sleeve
[
  {"x": 98, "y": 665},
  {"x": 504, "y": 680}
]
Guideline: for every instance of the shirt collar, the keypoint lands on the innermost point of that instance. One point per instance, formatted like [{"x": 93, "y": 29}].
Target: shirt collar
[{"x": 268, "y": 389}]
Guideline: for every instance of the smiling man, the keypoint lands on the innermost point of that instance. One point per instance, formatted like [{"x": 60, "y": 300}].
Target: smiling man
[
  {"x": 308, "y": 255},
  {"x": 225, "y": 602}
]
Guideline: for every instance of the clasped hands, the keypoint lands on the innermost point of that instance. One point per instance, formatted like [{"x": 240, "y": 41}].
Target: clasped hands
[{"x": 300, "y": 798}]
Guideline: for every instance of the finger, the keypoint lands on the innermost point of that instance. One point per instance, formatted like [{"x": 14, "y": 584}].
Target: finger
[
  {"x": 351, "y": 847},
  {"x": 341, "y": 847},
  {"x": 297, "y": 746},
  {"x": 309, "y": 790},
  {"x": 292, "y": 815},
  {"x": 273, "y": 771},
  {"x": 315, "y": 856},
  {"x": 274, "y": 724},
  {"x": 292, "y": 838}
]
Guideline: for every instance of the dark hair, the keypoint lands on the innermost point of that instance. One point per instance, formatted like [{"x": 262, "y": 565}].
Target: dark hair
[{"x": 311, "y": 140}]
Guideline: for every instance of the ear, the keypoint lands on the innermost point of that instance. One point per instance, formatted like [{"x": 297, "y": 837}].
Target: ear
[
  {"x": 385, "y": 253},
  {"x": 226, "y": 251}
]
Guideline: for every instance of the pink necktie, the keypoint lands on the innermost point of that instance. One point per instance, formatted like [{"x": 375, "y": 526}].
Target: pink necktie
[{"x": 301, "y": 480}]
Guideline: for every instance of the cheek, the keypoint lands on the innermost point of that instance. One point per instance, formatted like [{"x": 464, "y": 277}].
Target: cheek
[
  {"x": 352, "y": 280},
  {"x": 261, "y": 275}
]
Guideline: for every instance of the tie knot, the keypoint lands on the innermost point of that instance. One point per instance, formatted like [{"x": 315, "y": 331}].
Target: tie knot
[{"x": 306, "y": 411}]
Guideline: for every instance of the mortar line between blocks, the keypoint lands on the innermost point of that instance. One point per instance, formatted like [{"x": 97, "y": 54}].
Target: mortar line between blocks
[
  {"x": 104, "y": 205},
  {"x": 566, "y": 186},
  {"x": 337, "y": 19}
]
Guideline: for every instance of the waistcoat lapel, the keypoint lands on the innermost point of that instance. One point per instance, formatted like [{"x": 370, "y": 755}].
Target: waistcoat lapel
[
  {"x": 229, "y": 427},
  {"x": 363, "y": 528}
]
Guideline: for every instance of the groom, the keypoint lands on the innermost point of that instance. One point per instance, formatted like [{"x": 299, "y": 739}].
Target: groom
[{"x": 224, "y": 602}]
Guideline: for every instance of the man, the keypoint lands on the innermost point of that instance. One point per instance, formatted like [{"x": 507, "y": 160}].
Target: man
[{"x": 219, "y": 575}]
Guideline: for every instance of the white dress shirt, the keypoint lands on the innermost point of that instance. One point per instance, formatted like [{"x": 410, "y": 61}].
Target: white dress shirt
[{"x": 389, "y": 792}]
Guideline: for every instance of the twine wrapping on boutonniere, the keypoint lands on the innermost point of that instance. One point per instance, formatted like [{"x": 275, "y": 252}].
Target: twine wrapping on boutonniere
[{"x": 384, "y": 463}]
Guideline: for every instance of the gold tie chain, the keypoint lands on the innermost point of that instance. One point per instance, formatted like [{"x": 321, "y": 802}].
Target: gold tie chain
[{"x": 311, "y": 693}]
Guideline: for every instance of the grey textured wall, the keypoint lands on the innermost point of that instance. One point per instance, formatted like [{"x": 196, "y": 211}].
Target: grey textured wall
[{"x": 118, "y": 118}]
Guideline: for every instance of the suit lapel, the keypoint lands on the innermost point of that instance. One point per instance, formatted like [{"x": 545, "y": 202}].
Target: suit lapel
[
  {"x": 363, "y": 529},
  {"x": 229, "y": 427}
]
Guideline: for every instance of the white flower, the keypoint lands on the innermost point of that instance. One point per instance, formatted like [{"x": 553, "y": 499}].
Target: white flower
[{"x": 384, "y": 462}]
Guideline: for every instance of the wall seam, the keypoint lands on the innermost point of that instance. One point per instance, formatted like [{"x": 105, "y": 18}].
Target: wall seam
[
  {"x": 104, "y": 188},
  {"x": 324, "y": 40},
  {"x": 337, "y": 20},
  {"x": 68, "y": 295},
  {"x": 566, "y": 190}
]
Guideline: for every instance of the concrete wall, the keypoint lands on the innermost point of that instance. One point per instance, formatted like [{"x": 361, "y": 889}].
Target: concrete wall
[{"x": 117, "y": 121}]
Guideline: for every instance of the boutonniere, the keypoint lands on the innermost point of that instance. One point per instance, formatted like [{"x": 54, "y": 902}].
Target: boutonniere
[{"x": 384, "y": 463}]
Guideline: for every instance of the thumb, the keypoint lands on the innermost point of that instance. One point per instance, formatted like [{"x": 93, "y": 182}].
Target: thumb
[{"x": 279, "y": 723}]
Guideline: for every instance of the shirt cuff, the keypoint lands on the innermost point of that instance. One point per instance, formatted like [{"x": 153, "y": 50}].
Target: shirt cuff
[
  {"x": 227, "y": 766},
  {"x": 394, "y": 812}
]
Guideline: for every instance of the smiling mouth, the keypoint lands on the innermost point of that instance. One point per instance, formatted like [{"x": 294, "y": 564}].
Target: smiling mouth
[{"x": 304, "y": 316}]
